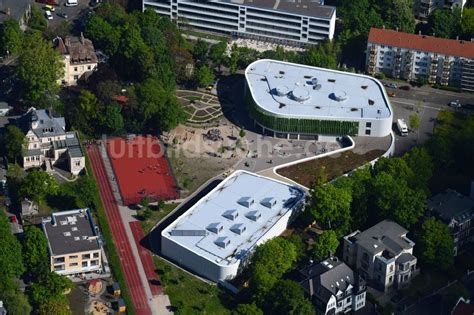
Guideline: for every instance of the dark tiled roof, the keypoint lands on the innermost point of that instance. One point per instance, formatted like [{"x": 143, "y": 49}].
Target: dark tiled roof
[
  {"x": 47, "y": 125},
  {"x": 80, "y": 49},
  {"x": 444, "y": 46},
  {"x": 70, "y": 232},
  {"x": 451, "y": 205}
]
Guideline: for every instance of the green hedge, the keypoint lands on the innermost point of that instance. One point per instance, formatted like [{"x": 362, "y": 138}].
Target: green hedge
[
  {"x": 297, "y": 125},
  {"x": 114, "y": 260}
]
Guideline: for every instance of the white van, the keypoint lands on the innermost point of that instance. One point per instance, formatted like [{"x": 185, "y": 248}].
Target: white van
[
  {"x": 402, "y": 127},
  {"x": 71, "y": 3},
  {"x": 48, "y": 14}
]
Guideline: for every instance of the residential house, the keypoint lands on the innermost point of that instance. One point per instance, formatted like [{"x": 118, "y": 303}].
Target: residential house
[
  {"x": 383, "y": 255},
  {"x": 423, "y": 8},
  {"x": 73, "y": 242},
  {"x": 79, "y": 57},
  {"x": 457, "y": 211},
  {"x": 334, "y": 287},
  {"x": 48, "y": 143},
  {"x": 410, "y": 56},
  {"x": 19, "y": 10}
]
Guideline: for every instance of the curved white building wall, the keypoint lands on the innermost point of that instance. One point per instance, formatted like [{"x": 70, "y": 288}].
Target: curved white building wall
[
  {"x": 192, "y": 240},
  {"x": 293, "y": 98}
]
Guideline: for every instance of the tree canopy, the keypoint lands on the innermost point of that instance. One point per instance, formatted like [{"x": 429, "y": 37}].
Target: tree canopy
[
  {"x": 435, "y": 244},
  {"x": 35, "y": 251},
  {"x": 269, "y": 262},
  {"x": 13, "y": 141},
  {"x": 37, "y": 185},
  {"x": 325, "y": 245},
  {"x": 39, "y": 68},
  {"x": 287, "y": 298},
  {"x": 11, "y": 37},
  {"x": 247, "y": 309}
]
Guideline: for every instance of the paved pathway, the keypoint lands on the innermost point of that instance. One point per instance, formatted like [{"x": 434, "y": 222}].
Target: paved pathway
[{"x": 129, "y": 265}]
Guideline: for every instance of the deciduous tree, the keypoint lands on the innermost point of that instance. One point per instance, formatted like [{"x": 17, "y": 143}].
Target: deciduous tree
[
  {"x": 247, "y": 309},
  {"x": 14, "y": 141},
  {"x": 287, "y": 297},
  {"x": 203, "y": 76},
  {"x": 35, "y": 251},
  {"x": 325, "y": 245},
  {"x": 435, "y": 244},
  {"x": 11, "y": 37},
  {"x": 37, "y": 185}
]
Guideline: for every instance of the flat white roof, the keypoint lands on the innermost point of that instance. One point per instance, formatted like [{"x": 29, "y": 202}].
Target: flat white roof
[
  {"x": 299, "y": 91},
  {"x": 227, "y": 223}
]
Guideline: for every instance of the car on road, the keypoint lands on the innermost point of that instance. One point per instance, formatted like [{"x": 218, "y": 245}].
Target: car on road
[
  {"x": 48, "y": 15},
  {"x": 455, "y": 104},
  {"x": 391, "y": 94},
  {"x": 210, "y": 87},
  {"x": 49, "y": 7},
  {"x": 405, "y": 87},
  {"x": 63, "y": 15},
  {"x": 392, "y": 85},
  {"x": 71, "y": 3},
  {"x": 402, "y": 127}
]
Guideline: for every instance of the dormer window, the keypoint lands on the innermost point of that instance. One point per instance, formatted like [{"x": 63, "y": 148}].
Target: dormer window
[
  {"x": 215, "y": 227},
  {"x": 246, "y": 202}
]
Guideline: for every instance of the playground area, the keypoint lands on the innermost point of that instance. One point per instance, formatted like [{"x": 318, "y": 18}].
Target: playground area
[
  {"x": 141, "y": 169},
  {"x": 201, "y": 108}
]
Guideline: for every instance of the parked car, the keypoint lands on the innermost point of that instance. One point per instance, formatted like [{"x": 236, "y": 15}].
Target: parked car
[
  {"x": 49, "y": 7},
  {"x": 392, "y": 85},
  {"x": 455, "y": 104},
  {"x": 48, "y": 15},
  {"x": 71, "y": 3},
  {"x": 405, "y": 87},
  {"x": 391, "y": 94},
  {"x": 63, "y": 15}
]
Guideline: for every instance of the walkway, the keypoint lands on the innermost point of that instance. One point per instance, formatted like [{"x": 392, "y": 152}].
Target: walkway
[{"x": 129, "y": 266}]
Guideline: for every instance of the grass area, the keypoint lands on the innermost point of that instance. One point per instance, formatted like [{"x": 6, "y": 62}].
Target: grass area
[
  {"x": 190, "y": 295},
  {"x": 192, "y": 98},
  {"x": 305, "y": 173},
  {"x": 114, "y": 260},
  {"x": 156, "y": 217}
]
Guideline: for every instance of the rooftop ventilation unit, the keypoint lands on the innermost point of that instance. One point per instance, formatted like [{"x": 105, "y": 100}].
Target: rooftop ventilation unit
[
  {"x": 300, "y": 94},
  {"x": 238, "y": 228},
  {"x": 178, "y": 232},
  {"x": 215, "y": 227},
  {"x": 268, "y": 202},
  {"x": 254, "y": 215},
  {"x": 230, "y": 214},
  {"x": 340, "y": 96},
  {"x": 314, "y": 81},
  {"x": 246, "y": 202},
  {"x": 223, "y": 241}
]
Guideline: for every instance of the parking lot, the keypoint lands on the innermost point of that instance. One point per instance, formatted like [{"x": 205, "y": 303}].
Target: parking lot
[{"x": 75, "y": 14}]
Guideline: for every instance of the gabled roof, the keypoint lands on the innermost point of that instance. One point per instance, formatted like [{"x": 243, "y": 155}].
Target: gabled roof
[
  {"x": 80, "y": 49},
  {"x": 451, "y": 205},
  {"x": 47, "y": 125},
  {"x": 451, "y": 47}
]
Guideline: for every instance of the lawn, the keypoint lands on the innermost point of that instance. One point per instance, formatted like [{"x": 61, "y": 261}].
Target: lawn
[
  {"x": 305, "y": 173},
  {"x": 156, "y": 217},
  {"x": 189, "y": 295}
]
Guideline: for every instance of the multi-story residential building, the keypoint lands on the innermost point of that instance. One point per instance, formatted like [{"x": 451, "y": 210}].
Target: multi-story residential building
[
  {"x": 79, "y": 58},
  {"x": 410, "y": 56},
  {"x": 73, "y": 242},
  {"x": 334, "y": 287},
  {"x": 423, "y": 8},
  {"x": 48, "y": 143},
  {"x": 457, "y": 211},
  {"x": 299, "y": 22},
  {"x": 383, "y": 255}
]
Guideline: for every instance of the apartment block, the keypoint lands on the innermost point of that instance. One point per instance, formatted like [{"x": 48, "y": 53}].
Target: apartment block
[
  {"x": 423, "y": 8},
  {"x": 383, "y": 255},
  {"x": 73, "y": 242},
  {"x": 410, "y": 56},
  {"x": 334, "y": 287},
  {"x": 297, "y": 23}
]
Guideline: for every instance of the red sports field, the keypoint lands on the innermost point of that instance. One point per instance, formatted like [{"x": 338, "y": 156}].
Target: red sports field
[{"x": 141, "y": 169}]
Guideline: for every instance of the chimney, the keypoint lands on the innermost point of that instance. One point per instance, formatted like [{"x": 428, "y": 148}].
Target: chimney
[
  {"x": 457, "y": 37},
  {"x": 419, "y": 32},
  {"x": 7, "y": 11},
  {"x": 397, "y": 28},
  {"x": 82, "y": 38},
  {"x": 311, "y": 289}
]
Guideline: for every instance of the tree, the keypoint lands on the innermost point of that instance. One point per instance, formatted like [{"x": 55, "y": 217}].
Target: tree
[
  {"x": 361, "y": 179},
  {"x": 467, "y": 23},
  {"x": 445, "y": 23},
  {"x": 37, "y": 19},
  {"x": 37, "y": 185},
  {"x": 325, "y": 245},
  {"x": 420, "y": 161},
  {"x": 145, "y": 202},
  {"x": 268, "y": 263},
  {"x": 55, "y": 306},
  {"x": 86, "y": 113},
  {"x": 414, "y": 122},
  {"x": 247, "y": 309},
  {"x": 15, "y": 301},
  {"x": 200, "y": 50},
  {"x": 398, "y": 14},
  {"x": 323, "y": 55},
  {"x": 242, "y": 133},
  {"x": 287, "y": 298},
  {"x": 39, "y": 68},
  {"x": 217, "y": 53},
  {"x": 14, "y": 141},
  {"x": 35, "y": 251},
  {"x": 11, "y": 262},
  {"x": 435, "y": 244},
  {"x": 203, "y": 76},
  {"x": 113, "y": 119},
  {"x": 330, "y": 206},
  {"x": 103, "y": 34},
  {"x": 11, "y": 37}
]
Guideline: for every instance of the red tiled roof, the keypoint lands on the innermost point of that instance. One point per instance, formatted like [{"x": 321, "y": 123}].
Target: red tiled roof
[
  {"x": 463, "y": 309},
  {"x": 444, "y": 46}
]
